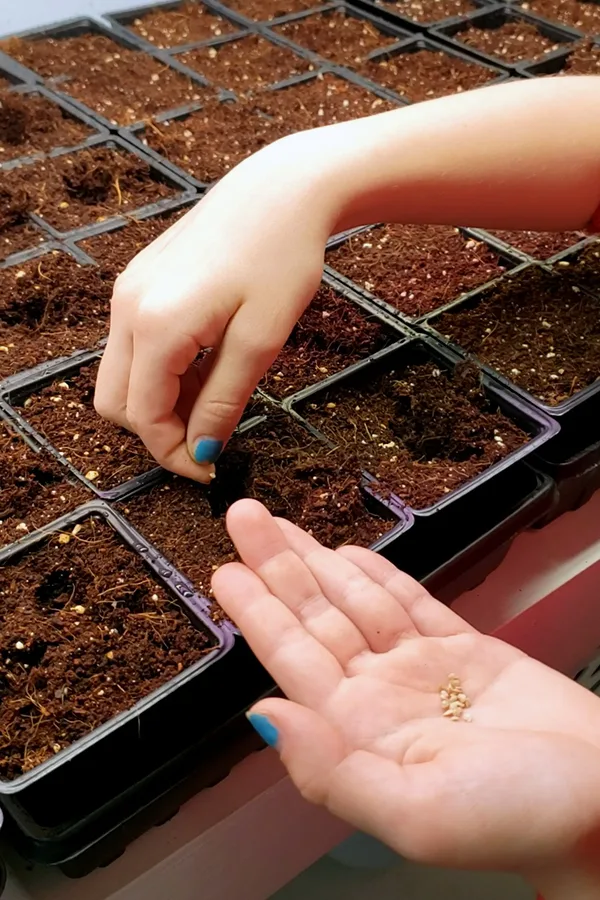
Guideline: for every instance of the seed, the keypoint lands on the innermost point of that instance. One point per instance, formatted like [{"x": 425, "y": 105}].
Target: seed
[
  {"x": 92, "y": 475},
  {"x": 76, "y": 530},
  {"x": 20, "y": 645},
  {"x": 64, "y": 538},
  {"x": 79, "y": 609},
  {"x": 110, "y": 655}
]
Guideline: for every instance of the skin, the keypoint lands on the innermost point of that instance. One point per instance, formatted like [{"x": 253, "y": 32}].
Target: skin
[
  {"x": 236, "y": 273},
  {"x": 360, "y": 650}
]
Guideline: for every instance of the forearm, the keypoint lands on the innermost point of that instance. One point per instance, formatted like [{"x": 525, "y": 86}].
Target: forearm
[
  {"x": 524, "y": 155},
  {"x": 568, "y": 886}
]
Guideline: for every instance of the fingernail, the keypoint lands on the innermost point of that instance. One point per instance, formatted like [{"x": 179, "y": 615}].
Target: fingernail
[
  {"x": 265, "y": 728},
  {"x": 207, "y": 450}
]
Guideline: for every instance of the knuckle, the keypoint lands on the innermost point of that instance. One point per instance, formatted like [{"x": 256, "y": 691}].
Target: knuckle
[{"x": 220, "y": 408}]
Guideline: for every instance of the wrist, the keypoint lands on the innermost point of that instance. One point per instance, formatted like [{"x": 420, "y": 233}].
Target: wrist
[{"x": 567, "y": 884}]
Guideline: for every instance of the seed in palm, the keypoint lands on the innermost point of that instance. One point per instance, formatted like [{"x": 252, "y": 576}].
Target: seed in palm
[{"x": 454, "y": 701}]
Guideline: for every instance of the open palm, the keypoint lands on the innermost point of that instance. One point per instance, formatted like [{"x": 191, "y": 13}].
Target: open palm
[{"x": 361, "y": 651}]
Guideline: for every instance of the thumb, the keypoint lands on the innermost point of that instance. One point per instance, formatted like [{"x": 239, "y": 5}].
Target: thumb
[{"x": 309, "y": 747}]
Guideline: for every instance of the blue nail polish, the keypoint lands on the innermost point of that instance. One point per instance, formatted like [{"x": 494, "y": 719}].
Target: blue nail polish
[
  {"x": 207, "y": 450},
  {"x": 265, "y": 728}
]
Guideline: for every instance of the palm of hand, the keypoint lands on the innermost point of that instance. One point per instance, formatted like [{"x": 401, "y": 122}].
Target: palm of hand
[{"x": 362, "y": 652}]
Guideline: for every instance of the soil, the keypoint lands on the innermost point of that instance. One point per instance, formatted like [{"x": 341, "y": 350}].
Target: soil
[
  {"x": 64, "y": 413},
  {"x": 333, "y": 333},
  {"x": 186, "y": 24},
  {"x": 540, "y": 244},
  {"x": 17, "y": 233},
  {"x": 210, "y": 142},
  {"x": 582, "y": 269},
  {"x": 322, "y": 100},
  {"x": 122, "y": 85},
  {"x": 429, "y": 11},
  {"x": 513, "y": 42},
  {"x": 431, "y": 265},
  {"x": 33, "y": 488},
  {"x": 30, "y": 124},
  {"x": 265, "y": 10},
  {"x": 113, "y": 250},
  {"x": 424, "y": 75},
  {"x": 584, "y": 60},
  {"x": 335, "y": 36},
  {"x": 85, "y": 632},
  {"x": 245, "y": 65},
  {"x": 539, "y": 331},
  {"x": 420, "y": 432},
  {"x": 573, "y": 13},
  {"x": 281, "y": 465},
  {"x": 81, "y": 188},
  {"x": 50, "y": 307}
]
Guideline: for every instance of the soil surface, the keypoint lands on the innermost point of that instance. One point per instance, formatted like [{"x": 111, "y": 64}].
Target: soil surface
[
  {"x": 281, "y": 465},
  {"x": 420, "y": 432},
  {"x": 539, "y": 331},
  {"x": 335, "y": 36},
  {"x": 210, "y": 142},
  {"x": 122, "y": 85},
  {"x": 264, "y": 10},
  {"x": 321, "y": 101},
  {"x": 574, "y": 13},
  {"x": 511, "y": 43},
  {"x": 415, "y": 268},
  {"x": 50, "y": 307},
  {"x": 30, "y": 124},
  {"x": 85, "y": 633},
  {"x": 64, "y": 413},
  {"x": 81, "y": 188},
  {"x": 333, "y": 333},
  {"x": 186, "y": 24},
  {"x": 424, "y": 75},
  {"x": 582, "y": 269},
  {"x": 245, "y": 65},
  {"x": 33, "y": 488},
  {"x": 585, "y": 60},
  {"x": 113, "y": 250},
  {"x": 17, "y": 232},
  {"x": 428, "y": 11},
  {"x": 539, "y": 244}
]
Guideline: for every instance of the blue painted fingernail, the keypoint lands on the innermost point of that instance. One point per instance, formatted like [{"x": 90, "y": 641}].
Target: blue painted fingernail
[
  {"x": 265, "y": 728},
  {"x": 207, "y": 450}
]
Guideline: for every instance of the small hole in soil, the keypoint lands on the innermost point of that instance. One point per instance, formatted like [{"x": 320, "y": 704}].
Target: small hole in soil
[{"x": 56, "y": 589}]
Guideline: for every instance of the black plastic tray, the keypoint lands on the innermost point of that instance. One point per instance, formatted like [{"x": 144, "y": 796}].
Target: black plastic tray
[
  {"x": 557, "y": 24},
  {"x": 550, "y": 65},
  {"x": 503, "y": 247},
  {"x": 494, "y": 18},
  {"x": 405, "y": 20}
]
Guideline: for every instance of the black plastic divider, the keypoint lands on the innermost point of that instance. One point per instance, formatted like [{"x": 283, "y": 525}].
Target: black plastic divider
[
  {"x": 404, "y": 20},
  {"x": 134, "y": 136},
  {"x": 14, "y": 72},
  {"x": 584, "y": 33},
  {"x": 503, "y": 247},
  {"x": 552, "y": 64},
  {"x": 495, "y": 18}
]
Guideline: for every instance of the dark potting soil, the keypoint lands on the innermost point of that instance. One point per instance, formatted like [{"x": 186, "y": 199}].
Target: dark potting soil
[
  {"x": 113, "y": 250},
  {"x": 33, "y": 488},
  {"x": 584, "y": 60},
  {"x": 333, "y": 333},
  {"x": 122, "y": 85},
  {"x": 84, "y": 187},
  {"x": 17, "y": 232},
  {"x": 31, "y": 124},
  {"x": 245, "y": 65},
  {"x": 540, "y": 331},
  {"x": 321, "y": 101},
  {"x": 64, "y": 413},
  {"x": 336, "y": 36},
  {"x": 420, "y": 432},
  {"x": 426, "y": 74},
  {"x": 573, "y": 13},
  {"x": 513, "y": 42},
  {"x": 85, "y": 632},
  {"x": 584, "y": 268},
  {"x": 428, "y": 11},
  {"x": 281, "y": 465},
  {"x": 540, "y": 244},
  {"x": 50, "y": 307},
  {"x": 264, "y": 10},
  {"x": 415, "y": 268},
  {"x": 185, "y": 24},
  {"x": 210, "y": 142}
]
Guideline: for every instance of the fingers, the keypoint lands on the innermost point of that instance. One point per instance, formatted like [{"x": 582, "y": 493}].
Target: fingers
[
  {"x": 365, "y": 602},
  {"x": 429, "y": 617},
  {"x": 264, "y": 549},
  {"x": 112, "y": 385}
]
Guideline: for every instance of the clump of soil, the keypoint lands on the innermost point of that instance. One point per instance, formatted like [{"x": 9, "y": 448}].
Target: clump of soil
[
  {"x": 278, "y": 463},
  {"x": 186, "y": 24},
  {"x": 426, "y": 74},
  {"x": 17, "y": 231},
  {"x": 539, "y": 331},
  {"x": 122, "y": 85},
  {"x": 64, "y": 413},
  {"x": 30, "y": 124},
  {"x": 245, "y": 65},
  {"x": 210, "y": 142},
  {"x": 114, "y": 250},
  {"x": 540, "y": 244},
  {"x": 415, "y": 268},
  {"x": 81, "y": 188},
  {"x": 333, "y": 333},
  {"x": 50, "y": 307},
  {"x": 321, "y": 101},
  {"x": 85, "y": 632},
  {"x": 419, "y": 431},
  {"x": 265, "y": 10},
  {"x": 428, "y": 11},
  {"x": 512, "y": 42},
  {"x": 584, "y": 60},
  {"x": 584, "y": 268},
  {"x": 573, "y": 13},
  {"x": 33, "y": 488},
  {"x": 336, "y": 36}
]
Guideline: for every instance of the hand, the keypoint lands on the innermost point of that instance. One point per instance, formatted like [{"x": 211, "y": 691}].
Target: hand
[
  {"x": 234, "y": 274},
  {"x": 361, "y": 651}
]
